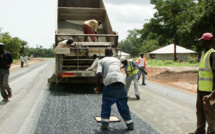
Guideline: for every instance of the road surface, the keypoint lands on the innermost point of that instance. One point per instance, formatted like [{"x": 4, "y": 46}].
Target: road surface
[{"x": 40, "y": 108}]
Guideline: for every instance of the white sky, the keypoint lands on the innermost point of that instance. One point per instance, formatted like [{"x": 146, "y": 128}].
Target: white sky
[{"x": 35, "y": 20}]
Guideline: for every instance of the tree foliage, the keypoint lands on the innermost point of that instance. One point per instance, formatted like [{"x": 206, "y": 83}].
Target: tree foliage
[
  {"x": 17, "y": 46},
  {"x": 189, "y": 19}
]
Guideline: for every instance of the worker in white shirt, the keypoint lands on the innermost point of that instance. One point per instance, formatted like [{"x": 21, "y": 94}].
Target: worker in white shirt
[
  {"x": 91, "y": 27},
  {"x": 22, "y": 60},
  {"x": 141, "y": 61},
  {"x": 64, "y": 44},
  {"x": 114, "y": 89},
  {"x": 94, "y": 66}
]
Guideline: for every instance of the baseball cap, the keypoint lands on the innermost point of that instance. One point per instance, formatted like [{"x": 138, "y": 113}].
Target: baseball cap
[
  {"x": 1, "y": 44},
  {"x": 207, "y": 36},
  {"x": 122, "y": 58}
]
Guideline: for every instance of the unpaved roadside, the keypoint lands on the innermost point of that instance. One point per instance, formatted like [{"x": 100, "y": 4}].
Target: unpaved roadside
[
  {"x": 30, "y": 62},
  {"x": 182, "y": 78}
]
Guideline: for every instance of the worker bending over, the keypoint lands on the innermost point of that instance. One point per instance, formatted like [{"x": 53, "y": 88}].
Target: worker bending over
[
  {"x": 91, "y": 27},
  {"x": 131, "y": 70},
  {"x": 114, "y": 89}
]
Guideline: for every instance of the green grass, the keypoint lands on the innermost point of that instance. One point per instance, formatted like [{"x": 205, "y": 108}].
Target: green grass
[
  {"x": 170, "y": 63},
  {"x": 14, "y": 60}
]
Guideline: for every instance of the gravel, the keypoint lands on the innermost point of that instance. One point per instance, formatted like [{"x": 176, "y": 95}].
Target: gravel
[{"x": 70, "y": 109}]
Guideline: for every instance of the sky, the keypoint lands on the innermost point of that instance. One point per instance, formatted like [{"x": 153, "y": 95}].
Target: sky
[{"x": 35, "y": 20}]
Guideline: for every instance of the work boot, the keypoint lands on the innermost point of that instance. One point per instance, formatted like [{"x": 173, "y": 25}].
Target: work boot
[
  {"x": 137, "y": 96},
  {"x": 5, "y": 100},
  {"x": 143, "y": 83},
  {"x": 130, "y": 126},
  {"x": 10, "y": 95},
  {"x": 104, "y": 127}
]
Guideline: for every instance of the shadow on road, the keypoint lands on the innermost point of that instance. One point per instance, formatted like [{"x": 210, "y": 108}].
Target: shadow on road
[{"x": 62, "y": 89}]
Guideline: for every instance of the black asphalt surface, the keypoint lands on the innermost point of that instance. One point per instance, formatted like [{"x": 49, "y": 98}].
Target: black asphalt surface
[{"x": 70, "y": 109}]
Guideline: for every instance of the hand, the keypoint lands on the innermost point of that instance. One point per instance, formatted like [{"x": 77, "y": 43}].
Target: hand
[
  {"x": 205, "y": 99},
  {"x": 96, "y": 90}
]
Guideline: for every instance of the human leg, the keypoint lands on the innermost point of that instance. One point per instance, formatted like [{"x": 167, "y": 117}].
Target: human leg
[
  {"x": 107, "y": 102},
  {"x": 85, "y": 32},
  {"x": 3, "y": 92},
  {"x": 210, "y": 117},
  {"x": 201, "y": 120},
  {"x": 136, "y": 88},
  {"x": 5, "y": 82},
  {"x": 125, "y": 112},
  {"x": 88, "y": 30},
  {"x": 128, "y": 84},
  {"x": 143, "y": 78}
]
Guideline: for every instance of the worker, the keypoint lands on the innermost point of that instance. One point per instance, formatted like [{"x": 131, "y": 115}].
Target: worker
[
  {"x": 131, "y": 70},
  {"x": 26, "y": 61},
  {"x": 91, "y": 27},
  {"x": 114, "y": 89},
  {"x": 94, "y": 66},
  {"x": 206, "y": 85},
  {"x": 64, "y": 44},
  {"x": 22, "y": 60},
  {"x": 5, "y": 63},
  {"x": 141, "y": 61}
]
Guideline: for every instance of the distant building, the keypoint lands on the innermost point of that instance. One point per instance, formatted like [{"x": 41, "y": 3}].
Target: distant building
[
  {"x": 120, "y": 53},
  {"x": 167, "y": 53}
]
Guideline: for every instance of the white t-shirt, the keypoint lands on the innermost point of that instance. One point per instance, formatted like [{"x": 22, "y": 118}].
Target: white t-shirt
[{"x": 110, "y": 68}]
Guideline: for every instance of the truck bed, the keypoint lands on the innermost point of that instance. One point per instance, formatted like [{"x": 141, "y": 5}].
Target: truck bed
[{"x": 75, "y": 27}]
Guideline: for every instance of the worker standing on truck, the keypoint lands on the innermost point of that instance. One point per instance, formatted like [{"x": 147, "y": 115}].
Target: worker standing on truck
[
  {"x": 206, "y": 85},
  {"x": 114, "y": 89},
  {"x": 5, "y": 63},
  {"x": 142, "y": 62},
  {"x": 132, "y": 70},
  {"x": 64, "y": 44},
  {"x": 91, "y": 27}
]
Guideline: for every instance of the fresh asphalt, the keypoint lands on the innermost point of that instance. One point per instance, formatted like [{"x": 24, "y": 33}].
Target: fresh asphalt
[
  {"x": 72, "y": 108},
  {"x": 41, "y": 108}
]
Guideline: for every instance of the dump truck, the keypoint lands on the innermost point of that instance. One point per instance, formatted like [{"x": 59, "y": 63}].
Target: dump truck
[{"x": 71, "y": 63}]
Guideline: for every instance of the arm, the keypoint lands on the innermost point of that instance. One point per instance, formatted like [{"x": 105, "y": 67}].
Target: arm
[
  {"x": 95, "y": 63},
  {"x": 135, "y": 64},
  {"x": 10, "y": 60},
  {"x": 98, "y": 77}
]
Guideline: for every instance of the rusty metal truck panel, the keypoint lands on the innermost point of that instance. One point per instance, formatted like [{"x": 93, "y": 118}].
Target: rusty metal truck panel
[{"x": 71, "y": 63}]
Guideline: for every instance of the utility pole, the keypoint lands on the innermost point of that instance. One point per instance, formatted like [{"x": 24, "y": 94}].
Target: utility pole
[{"x": 174, "y": 12}]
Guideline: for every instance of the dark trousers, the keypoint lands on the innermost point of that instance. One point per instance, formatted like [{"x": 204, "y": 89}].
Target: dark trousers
[
  {"x": 22, "y": 63},
  {"x": 88, "y": 30},
  {"x": 118, "y": 95},
  {"x": 4, "y": 86},
  {"x": 205, "y": 113}
]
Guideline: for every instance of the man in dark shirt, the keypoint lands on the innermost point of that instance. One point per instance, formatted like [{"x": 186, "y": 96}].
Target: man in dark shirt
[{"x": 5, "y": 63}]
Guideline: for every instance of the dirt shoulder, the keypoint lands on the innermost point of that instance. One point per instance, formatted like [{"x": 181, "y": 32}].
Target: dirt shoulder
[
  {"x": 30, "y": 62},
  {"x": 182, "y": 78}
]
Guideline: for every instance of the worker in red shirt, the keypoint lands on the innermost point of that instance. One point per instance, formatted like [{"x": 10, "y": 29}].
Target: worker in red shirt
[
  {"x": 91, "y": 27},
  {"x": 142, "y": 62}
]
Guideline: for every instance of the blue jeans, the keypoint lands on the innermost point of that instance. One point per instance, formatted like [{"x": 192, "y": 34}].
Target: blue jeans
[
  {"x": 118, "y": 95},
  {"x": 143, "y": 74}
]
